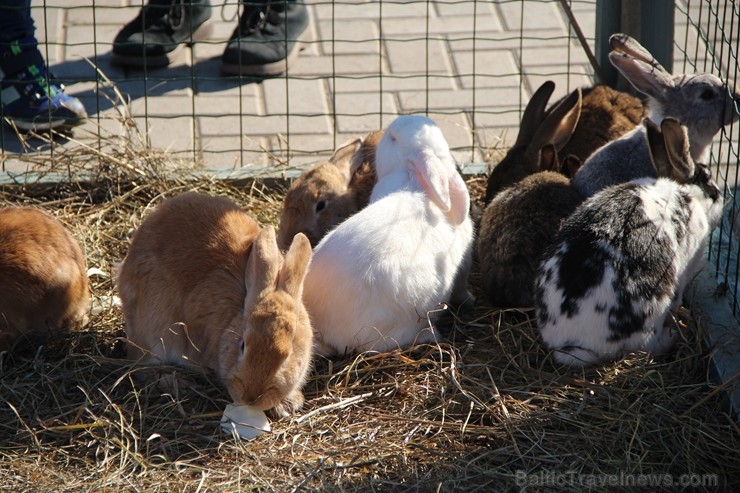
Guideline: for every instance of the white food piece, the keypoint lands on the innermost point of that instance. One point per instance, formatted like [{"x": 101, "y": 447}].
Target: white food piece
[{"x": 248, "y": 421}]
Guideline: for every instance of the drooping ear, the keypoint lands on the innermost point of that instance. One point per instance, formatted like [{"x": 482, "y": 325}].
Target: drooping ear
[
  {"x": 263, "y": 263},
  {"x": 432, "y": 174},
  {"x": 343, "y": 158},
  {"x": 643, "y": 76},
  {"x": 295, "y": 267},
  {"x": 677, "y": 146},
  {"x": 443, "y": 184},
  {"x": 534, "y": 113},
  {"x": 549, "y": 159},
  {"x": 560, "y": 122},
  {"x": 656, "y": 146}
]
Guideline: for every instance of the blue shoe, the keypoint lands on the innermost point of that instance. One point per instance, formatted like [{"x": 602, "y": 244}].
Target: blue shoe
[{"x": 29, "y": 98}]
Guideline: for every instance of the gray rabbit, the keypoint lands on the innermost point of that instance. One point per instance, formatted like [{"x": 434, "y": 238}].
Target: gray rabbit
[{"x": 702, "y": 103}]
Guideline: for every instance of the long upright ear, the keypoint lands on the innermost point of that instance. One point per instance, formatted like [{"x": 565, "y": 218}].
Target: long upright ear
[
  {"x": 295, "y": 266},
  {"x": 656, "y": 146},
  {"x": 534, "y": 113},
  {"x": 643, "y": 76},
  {"x": 443, "y": 184},
  {"x": 263, "y": 264},
  {"x": 560, "y": 122},
  {"x": 343, "y": 158},
  {"x": 549, "y": 159},
  {"x": 677, "y": 146},
  {"x": 627, "y": 45}
]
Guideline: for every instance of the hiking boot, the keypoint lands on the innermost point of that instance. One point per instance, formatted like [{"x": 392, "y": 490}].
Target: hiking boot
[
  {"x": 29, "y": 97},
  {"x": 266, "y": 39},
  {"x": 156, "y": 37}
]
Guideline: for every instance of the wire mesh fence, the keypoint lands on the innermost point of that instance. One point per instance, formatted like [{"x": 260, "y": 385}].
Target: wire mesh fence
[
  {"x": 469, "y": 64},
  {"x": 707, "y": 41}
]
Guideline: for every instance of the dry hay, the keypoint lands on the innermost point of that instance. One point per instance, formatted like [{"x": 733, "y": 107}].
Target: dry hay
[{"x": 477, "y": 412}]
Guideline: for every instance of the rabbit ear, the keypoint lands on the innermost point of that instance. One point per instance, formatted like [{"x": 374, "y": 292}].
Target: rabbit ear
[
  {"x": 442, "y": 184},
  {"x": 549, "y": 158},
  {"x": 345, "y": 158},
  {"x": 657, "y": 148},
  {"x": 534, "y": 113},
  {"x": 626, "y": 45},
  {"x": 571, "y": 165},
  {"x": 295, "y": 266},
  {"x": 646, "y": 78},
  {"x": 263, "y": 264},
  {"x": 677, "y": 146},
  {"x": 560, "y": 123}
]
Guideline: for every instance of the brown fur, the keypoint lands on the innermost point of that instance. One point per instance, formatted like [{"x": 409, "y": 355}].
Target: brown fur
[
  {"x": 43, "y": 277},
  {"x": 606, "y": 115},
  {"x": 517, "y": 227},
  {"x": 200, "y": 278},
  {"x": 342, "y": 185}
]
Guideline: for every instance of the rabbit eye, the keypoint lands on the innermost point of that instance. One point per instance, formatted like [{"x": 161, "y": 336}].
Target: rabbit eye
[
  {"x": 242, "y": 346},
  {"x": 320, "y": 206},
  {"x": 707, "y": 95}
]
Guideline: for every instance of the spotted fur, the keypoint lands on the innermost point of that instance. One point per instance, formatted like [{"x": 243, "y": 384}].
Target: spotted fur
[{"x": 621, "y": 261}]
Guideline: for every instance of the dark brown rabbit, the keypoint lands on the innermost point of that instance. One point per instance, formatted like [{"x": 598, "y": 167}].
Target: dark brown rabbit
[
  {"x": 43, "y": 277},
  {"x": 537, "y": 129},
  {"x": 518, "y": 226}
]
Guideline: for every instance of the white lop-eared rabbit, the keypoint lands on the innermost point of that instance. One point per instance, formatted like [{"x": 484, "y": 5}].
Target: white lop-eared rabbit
[
  {"x": 202, "y": 284},
  {"x": 702, "y": 103},
  {"x": 43, "y": 278},
  {"x": 621, "y": 261},
  {"x": 375, "y": 280}
]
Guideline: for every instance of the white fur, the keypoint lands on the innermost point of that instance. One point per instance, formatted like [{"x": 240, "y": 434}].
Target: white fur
[
  {"x": 589, "y": 329},
  {"x": 375, "y": 280}
]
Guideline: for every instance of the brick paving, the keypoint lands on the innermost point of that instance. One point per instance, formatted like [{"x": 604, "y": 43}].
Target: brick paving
[{"x": 469, "y": 64}]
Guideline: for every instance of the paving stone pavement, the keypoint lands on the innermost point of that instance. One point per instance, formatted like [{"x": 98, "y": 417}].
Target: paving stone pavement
[{"x": 469, "y": 64}]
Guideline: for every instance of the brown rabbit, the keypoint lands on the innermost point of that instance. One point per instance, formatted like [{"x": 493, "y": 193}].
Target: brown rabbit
[
  {"x": 606, "y": 115},
  {"x": 43, "y": 277},
  {"x": 203, "y": 285},
  {"x": 330, "y": 192},
  {"x": 537, "y": 129}
]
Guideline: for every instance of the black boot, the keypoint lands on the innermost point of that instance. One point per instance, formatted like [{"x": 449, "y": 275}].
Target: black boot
[
  {"x": 157, "y": 35},
  {"x": 267, "y": 37}
]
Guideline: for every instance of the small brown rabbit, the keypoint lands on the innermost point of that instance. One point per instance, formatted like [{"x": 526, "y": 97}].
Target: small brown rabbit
[
  {"x": 330, "y": 192},
  {"x": 537, "y": 129},
  {"x": 203, "y": 285},
  {"x": 43, "y": 277}
]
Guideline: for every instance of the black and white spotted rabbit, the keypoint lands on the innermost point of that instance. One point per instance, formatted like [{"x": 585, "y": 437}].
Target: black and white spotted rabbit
[{"x": 621, "y": 261}]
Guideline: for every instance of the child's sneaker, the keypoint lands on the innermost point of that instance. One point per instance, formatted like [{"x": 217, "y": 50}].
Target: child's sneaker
[{"x": 29, "y": 98}]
